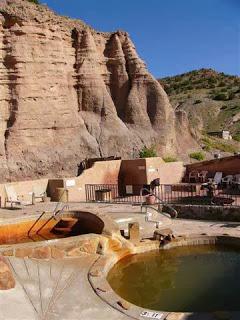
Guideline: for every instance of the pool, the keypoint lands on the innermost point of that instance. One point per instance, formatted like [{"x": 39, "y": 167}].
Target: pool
[
  {"x": 203, "y": 278},
  {"x": 71, "y": 223}
]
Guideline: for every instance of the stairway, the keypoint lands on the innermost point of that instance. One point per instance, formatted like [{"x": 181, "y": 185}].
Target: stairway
[{"x": 64, "y": 226}]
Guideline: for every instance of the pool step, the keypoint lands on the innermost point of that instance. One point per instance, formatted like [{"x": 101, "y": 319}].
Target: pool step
[
  {"x": 57, "y": 230},
  {"x": 67, "y": 222},
  {"x": 64, "y": 226}
]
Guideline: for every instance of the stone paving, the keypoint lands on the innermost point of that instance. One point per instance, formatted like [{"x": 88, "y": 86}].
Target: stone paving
[{"x": 59, "y": 289}]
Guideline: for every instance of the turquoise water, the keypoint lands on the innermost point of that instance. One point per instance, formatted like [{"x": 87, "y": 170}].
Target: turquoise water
[{"x": 187, "y": 279}]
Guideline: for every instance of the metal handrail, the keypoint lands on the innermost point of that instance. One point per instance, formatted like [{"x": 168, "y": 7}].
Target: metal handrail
[
  {"x": 35, "y": 222},
  {"x": 60, "y": 211},
  {"x": 54, "y": 215},
  {"x": 161, "y": 202}
]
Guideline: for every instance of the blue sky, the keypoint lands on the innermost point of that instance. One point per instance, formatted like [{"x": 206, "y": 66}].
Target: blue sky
[{"x": 171, "y": 36}]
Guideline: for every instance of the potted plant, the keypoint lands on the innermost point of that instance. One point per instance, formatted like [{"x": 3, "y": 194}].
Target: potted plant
[{"x": 150, "y": 199}]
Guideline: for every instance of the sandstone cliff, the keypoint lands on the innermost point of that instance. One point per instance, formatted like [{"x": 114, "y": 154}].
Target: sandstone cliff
[{"x": 68, "y": 92}]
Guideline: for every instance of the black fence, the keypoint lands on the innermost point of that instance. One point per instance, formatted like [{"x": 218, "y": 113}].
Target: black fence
[{"x": 168, "y": 193}]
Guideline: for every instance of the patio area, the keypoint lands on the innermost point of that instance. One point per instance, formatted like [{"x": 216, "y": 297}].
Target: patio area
[{"x": 182, "y": 193}]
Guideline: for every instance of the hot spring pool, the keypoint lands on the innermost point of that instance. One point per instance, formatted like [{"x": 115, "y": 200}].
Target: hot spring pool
[{"x": 203, "y": 278}]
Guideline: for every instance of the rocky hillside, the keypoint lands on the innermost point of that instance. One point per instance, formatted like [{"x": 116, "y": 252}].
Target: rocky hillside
[
  {"x": 69, "y": 92},
  {"x": 212, "y": 102}
]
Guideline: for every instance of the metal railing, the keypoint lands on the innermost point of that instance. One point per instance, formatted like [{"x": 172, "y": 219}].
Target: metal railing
[
  {"x": 56, "y": 212},
  {"x": 168, "y": 193}
]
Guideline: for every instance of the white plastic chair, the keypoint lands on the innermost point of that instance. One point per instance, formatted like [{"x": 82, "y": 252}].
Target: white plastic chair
[
  {"x": 193, "y": 175},
  {"x": 227, "y": 179},
  {"x": 203, "y": 175},
  {"x": 236, "y": 180}
]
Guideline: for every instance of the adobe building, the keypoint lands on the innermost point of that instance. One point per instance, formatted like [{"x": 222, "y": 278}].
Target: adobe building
[
  {"x": 227, "y": 165},
  {"x": 122, "y": 173}
]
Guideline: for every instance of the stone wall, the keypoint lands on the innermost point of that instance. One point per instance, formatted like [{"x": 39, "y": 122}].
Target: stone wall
[
  {"x": 212, "y": 213},
  {"x": 57, "y": 249}
]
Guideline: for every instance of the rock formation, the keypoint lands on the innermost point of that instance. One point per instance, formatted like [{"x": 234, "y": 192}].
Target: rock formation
[{"x": 68, "y": 92}]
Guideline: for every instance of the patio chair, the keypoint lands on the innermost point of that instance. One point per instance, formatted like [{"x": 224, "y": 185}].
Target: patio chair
[
  {"x": 236, "y": 180},
  {"x": 38, "y": 193},
  {"x": 193, "y": 175},
  {"x": 227, "y": 179},
  {"x": 203, "y": 176},
  {"x": 13, "y": 198}
]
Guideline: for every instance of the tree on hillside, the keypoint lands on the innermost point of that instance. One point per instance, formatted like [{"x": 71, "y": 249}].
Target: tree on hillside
[{"x": 34, "y": 1}]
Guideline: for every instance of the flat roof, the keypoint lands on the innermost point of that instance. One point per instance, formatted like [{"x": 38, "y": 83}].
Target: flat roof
[{"x": 237, "y": 156}]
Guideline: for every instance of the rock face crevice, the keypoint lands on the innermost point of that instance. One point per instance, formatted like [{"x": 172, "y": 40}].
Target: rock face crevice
[{"x": 68, "y": 92}]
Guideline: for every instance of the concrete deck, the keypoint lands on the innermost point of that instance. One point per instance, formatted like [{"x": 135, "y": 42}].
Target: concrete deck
[{"x": 60, "y": 289}]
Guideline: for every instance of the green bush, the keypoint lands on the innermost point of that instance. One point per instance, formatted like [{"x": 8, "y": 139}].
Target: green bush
[
  {"x": 148, "y": 152},
  {"x": 231, "y": 95},
  {"x": 221, "y": 96},
  {"x": 197, "y": 101},
  {"x": 221, "y": 84},
  {"x": 224, "y": 96},
  {"x": 197, "y": 155},
  {"x": 236, "y": 137},
  {"x": 34, "y": 1},
  {"x": 224, "y": 107},
  {"x": 170, "y": 159},
  {"x": 207, "y": 147},
  {"x": 219, "y": 145}
]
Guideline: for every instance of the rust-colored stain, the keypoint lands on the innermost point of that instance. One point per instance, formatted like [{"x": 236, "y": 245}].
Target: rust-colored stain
[{"x": 18, "y": 233}]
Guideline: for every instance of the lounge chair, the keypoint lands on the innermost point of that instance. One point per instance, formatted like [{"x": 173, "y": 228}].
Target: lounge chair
[
  {"x": 236, "y": 181},
  {"x": 227, "y": 180},
  {"x": 13, "y": 198}
]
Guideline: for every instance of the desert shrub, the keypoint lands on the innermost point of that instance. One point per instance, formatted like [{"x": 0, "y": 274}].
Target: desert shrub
[
  {"x": 211, "y": 80},
  {"x": 224, "y": 107},
  {"x": 206, "y": 147},
  {"x": 34, "y": 1},
  {"x": 170, "y": 159},
  {"x": 197, "y": 155},
  {"x": 148, "y": 152},
  {"x": 236, "y": 137},
  {"x": 197, "y": 101},
  {"x": 221, "y": 96},
  {"x": 231, "y": 95},
  {"x": 221, "y": 84},
  {"x": 219, "y": 145},
  {"x": 234, "y": 107}
]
